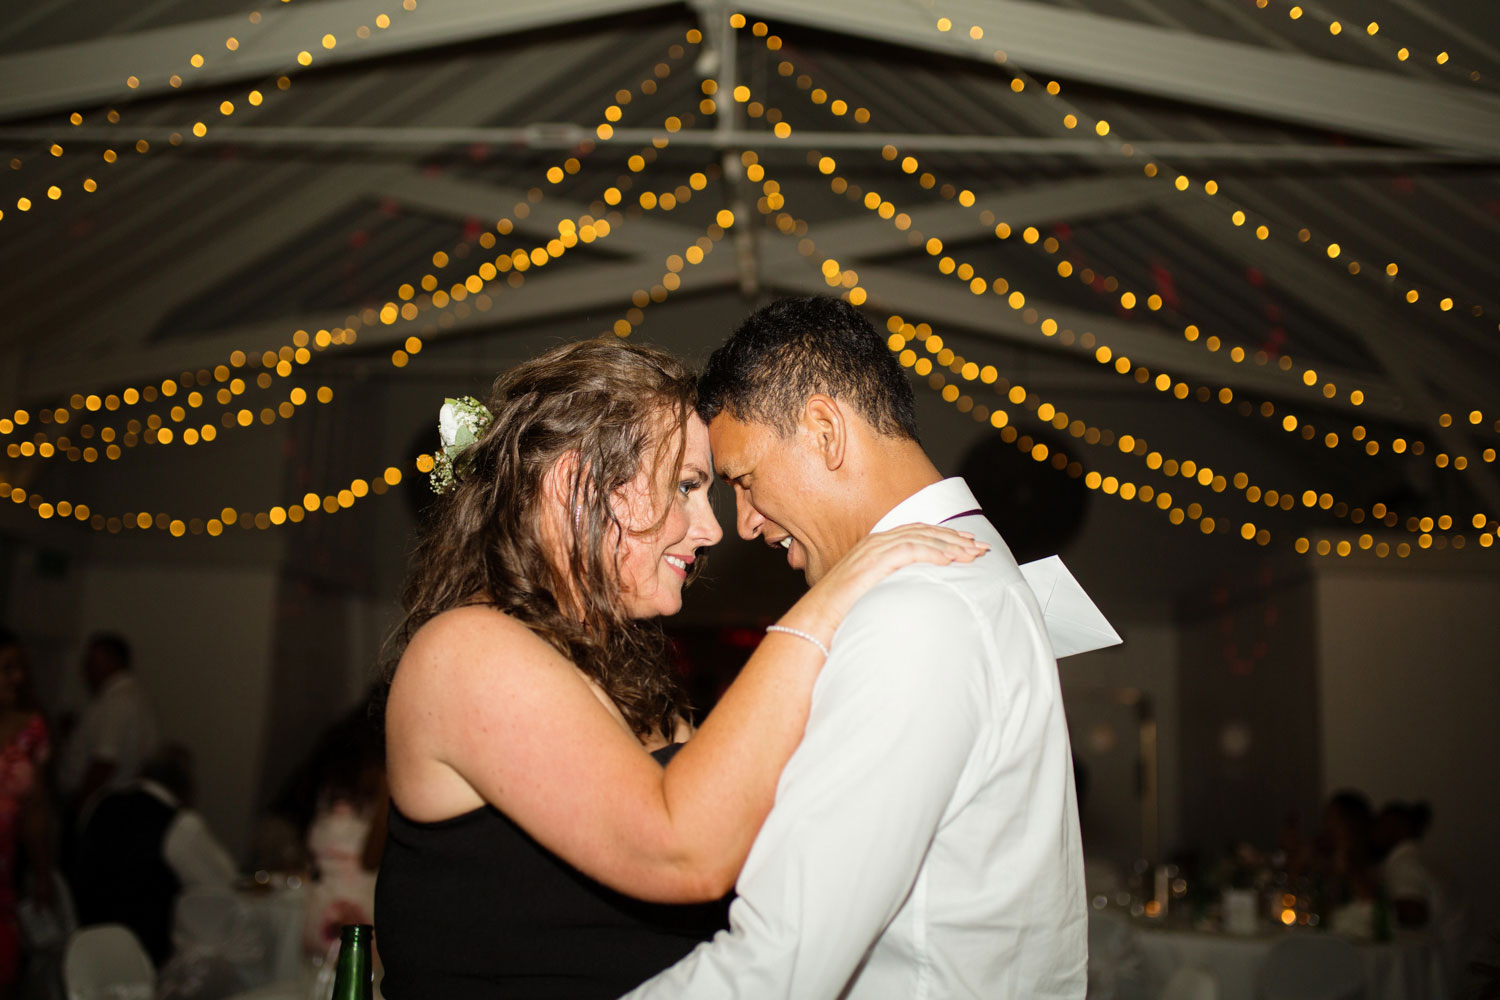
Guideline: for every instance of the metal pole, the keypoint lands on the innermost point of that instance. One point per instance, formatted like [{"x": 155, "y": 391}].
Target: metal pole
[{"x": 727, "y": 135}]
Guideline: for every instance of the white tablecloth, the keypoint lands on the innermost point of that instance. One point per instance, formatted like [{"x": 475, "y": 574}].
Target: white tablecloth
[
  {"x": 1408, "y": 968},
  {"x": 279, "y": 913}
]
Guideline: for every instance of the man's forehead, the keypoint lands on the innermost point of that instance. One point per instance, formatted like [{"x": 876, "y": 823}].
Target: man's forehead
[{"x": 735, "y": 443}]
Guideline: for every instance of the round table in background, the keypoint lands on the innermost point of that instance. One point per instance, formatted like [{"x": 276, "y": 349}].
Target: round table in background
[
  {"x": 1407, "y": 968},
  {"x": 279, "y": 915}
]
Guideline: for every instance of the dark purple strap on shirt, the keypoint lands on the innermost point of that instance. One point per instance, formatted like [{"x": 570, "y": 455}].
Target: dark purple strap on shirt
[{"x": 967, "y": 513}]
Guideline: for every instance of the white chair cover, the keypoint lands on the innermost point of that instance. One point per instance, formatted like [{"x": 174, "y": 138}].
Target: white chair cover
[
  {"x": 48, "y": 927},
  {"x": 1191, "y": 984},
  {"x": 1312, "y": 967},
  {"x": 218, "y": 947},
  {"x": 106, "y": 962},
  {"x": 44, "y": 933}
]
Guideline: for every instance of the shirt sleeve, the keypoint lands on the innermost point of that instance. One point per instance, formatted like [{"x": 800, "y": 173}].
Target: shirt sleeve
[
  {"x": 195, "y": 854},
  {"x": 115, "y": 729},
  {"x": 895, "y": 718},
  {"x": 1405, "y": 878}
]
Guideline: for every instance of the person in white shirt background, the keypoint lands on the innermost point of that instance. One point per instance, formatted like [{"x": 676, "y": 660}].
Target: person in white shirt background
[
  {"x": 116, "y": 732},
  {"x": 924, "y": 841},
  {"x": 1421, "y": 897},
  {"x": 141, "y": 846}
]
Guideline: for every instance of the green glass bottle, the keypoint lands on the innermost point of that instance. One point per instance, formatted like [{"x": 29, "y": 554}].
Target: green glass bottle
[
  {"x": 354, "y": 979},
  {"x": 1380, "y": 921}
]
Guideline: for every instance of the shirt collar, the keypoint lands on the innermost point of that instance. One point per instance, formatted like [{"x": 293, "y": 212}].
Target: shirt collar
[
  {"x": 158, "y": 792},
  {"x": 119, "y": 678},
  {"x": 930, "y": 505}
]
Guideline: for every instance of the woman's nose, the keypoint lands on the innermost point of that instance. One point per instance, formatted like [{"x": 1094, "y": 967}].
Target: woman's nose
[{"x": 706, "y": 525}]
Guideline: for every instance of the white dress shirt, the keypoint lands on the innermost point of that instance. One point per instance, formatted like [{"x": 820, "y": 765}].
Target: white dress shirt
[
  {"x": 924, "y": 841},
  {"x": 118, "y": 725},
  {"x": 190, "y": 848}
]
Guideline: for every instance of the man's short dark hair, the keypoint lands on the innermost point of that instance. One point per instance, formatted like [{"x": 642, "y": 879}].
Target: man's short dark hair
[
  {"x": 114, "y": 644},
  {"x": 783, "y": 353}
]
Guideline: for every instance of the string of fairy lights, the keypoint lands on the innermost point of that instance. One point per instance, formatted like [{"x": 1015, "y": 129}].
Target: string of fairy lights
[
  {"x": 1049, "y": 326},
  {"x": 836, "y": 276},
  {"x": 293, "y": 513},
  {"x": 887, "y": 210},
  {"x": 1132, "y": 445},
  {"x": 254, "y": 98},
  {"x": 1352, "y": 29},
  {"x": 1328, "y": 250},
  {"x": 1128, "y": 299},
  {"x": 409, "y": 304},
  {"x": 571, "y": 232},
  {"x": 903, "y": 333},
  {"x": 1180, "y": 390},
  {"x": 671, "y": 280}
]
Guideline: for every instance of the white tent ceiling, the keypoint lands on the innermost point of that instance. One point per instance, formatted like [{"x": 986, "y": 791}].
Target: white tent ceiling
[{"x": 309, "y": 210}]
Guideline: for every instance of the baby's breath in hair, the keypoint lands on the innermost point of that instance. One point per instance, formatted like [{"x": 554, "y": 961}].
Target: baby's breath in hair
[{"x": 461, "y": 421}]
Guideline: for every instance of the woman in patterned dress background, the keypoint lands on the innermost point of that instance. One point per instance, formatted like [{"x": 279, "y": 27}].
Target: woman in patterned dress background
[{"x": 25, "y": 817}]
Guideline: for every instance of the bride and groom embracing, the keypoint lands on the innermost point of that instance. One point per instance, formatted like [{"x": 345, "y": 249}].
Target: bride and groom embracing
[{"x": 886, "y": 786}]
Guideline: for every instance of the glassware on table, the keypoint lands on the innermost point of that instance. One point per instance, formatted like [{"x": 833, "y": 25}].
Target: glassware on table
[{"x": 1241, "y": 914}]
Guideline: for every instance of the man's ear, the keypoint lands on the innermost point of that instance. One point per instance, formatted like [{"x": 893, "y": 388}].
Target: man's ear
[{"x": 823, "y": 419}]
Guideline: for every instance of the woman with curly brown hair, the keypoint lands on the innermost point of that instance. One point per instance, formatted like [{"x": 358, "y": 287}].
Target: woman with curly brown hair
[{"x": 532, "y": 714}]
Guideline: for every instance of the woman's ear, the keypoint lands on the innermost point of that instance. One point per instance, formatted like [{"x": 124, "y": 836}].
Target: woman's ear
[
  {"x": 560, "y": 483},
  {"x": 823, "y": 419}
]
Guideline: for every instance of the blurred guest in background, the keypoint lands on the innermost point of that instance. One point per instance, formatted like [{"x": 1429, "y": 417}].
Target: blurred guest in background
[
  {"x": 116, "y": 731},
  {"x": 25, "y": 818},
  {"x": 1416, "y": 893},
  {"x": 346, "y": 835},
  {"x": 353, "y": 745},
  {"x": 1342, "y": 852},
  {"x": 1347, "y": 880},
  {"x": 1421, "y": 896},
  {"x": 141, "y": 846}
]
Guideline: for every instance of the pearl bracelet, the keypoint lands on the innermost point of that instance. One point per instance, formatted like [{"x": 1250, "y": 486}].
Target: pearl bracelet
[{"x": 801, "y": 635}]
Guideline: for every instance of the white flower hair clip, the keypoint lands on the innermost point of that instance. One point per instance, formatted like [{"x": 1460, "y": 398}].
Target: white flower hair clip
[{"x": 460, "y": 423}]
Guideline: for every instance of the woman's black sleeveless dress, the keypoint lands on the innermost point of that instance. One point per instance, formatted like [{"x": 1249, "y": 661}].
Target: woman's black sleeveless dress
[{"x": 471, "y": 908}]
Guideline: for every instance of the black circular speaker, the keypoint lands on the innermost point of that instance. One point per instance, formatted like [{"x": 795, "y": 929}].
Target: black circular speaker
[{"x": 1037, "y": 508}]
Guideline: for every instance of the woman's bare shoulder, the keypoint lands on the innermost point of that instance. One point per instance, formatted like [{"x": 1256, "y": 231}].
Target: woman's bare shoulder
[
  {"x": 461, "y": 623},
  {"x": 468, "y": 642}
]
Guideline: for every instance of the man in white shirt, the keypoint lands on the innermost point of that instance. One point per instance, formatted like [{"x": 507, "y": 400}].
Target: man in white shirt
[
  {"x": 141, "y": 846},
  {"x": 116, "y": 731},
  {"x": 924, "y": 841}
]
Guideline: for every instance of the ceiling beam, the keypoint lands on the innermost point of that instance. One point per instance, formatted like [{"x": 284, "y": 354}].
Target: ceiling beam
[
  {"x": 84, "y": 74},
  {"x": 415, "y": 139},
  {"x": 1179, "y": 65}
]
